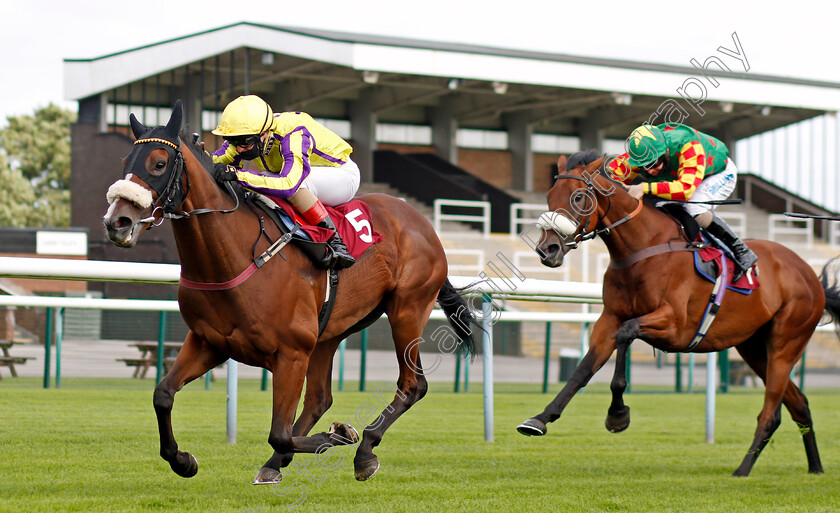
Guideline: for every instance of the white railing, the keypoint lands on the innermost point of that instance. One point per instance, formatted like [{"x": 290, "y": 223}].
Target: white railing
[
  {"x": 516, "y": 220},
  {"x": 780, "y": 224},
  {"x": 834, "y": 235},
  {"x": 526, "y": 289},
  {"x": 529, "y": 262},
  {"x": 456, "y": 265},
  {"x": 483, "y": 218},
  {"x": 601, "y": 264},
  {"x": 736, "y": 220}
]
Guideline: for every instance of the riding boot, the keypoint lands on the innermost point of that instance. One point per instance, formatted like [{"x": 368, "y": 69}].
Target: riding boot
[
  {"x": 341, "y": 256},
  {"x": 744, "y": 256}
]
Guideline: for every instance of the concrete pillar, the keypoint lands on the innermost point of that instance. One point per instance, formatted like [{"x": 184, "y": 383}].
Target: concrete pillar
[
  {"x": 522, "y": 157},
  {"x": 193, "y": 105},
  {"x": 363, "y": 133},
  {"x": 93, "y": 110},
  {"x": 445, "y": 130},
  {"x": 590, "y": 132},
  {"x": 728, "y": 138}
]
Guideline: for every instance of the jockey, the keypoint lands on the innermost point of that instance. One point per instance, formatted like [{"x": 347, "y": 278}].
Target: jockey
[
  {"x": 297, "y": 158},
  {"x": 677, "y": 162}
]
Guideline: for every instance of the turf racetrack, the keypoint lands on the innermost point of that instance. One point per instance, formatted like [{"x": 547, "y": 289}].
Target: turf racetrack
[{"x": 93, "y": 446}]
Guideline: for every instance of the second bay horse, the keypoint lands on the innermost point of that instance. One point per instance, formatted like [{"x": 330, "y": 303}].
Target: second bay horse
[{"x": 660, "y": 299}]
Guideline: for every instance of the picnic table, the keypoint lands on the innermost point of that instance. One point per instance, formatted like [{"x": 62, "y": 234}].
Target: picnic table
[
  {"x": 10, "y": 361},
  {"x": 148, "y": 357}
]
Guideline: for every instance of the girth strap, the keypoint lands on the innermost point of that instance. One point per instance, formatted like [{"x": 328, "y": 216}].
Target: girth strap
[
  {"x": 329, "y": 301},
  {"x": 712, "y": 310},
  {"x": 653, "y": 251}
]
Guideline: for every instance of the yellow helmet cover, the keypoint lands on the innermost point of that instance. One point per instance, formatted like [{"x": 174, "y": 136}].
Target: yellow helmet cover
[{"x": 246, "y": 115}]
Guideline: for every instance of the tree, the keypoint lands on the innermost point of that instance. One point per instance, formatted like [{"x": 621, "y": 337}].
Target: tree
[{"x": 35, "y": 168}]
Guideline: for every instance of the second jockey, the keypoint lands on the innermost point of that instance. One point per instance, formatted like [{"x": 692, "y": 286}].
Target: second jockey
[
  {"x": 678, "y": 162},
  {"x": 292, "y": 156}
]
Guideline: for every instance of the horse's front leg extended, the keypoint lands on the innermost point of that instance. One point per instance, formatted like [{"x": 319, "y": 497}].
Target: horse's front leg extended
[
  {"x": 194, "y": 360},
  {"x": 657, "y": 324},
  {"x": 601, "y": 347},
  {"x": 317, "y": 400},
  {"x": 287, "y": 381}
]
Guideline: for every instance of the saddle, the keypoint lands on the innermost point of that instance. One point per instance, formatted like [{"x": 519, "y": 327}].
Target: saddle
[
  {"x": 312, "y": 240},
  {"x": 709, "y": 250}
]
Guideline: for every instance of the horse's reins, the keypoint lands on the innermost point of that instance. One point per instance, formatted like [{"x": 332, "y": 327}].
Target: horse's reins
[
  {"x": 165, "y": 203},
  {"x": 718, "y": 290},
  {"x": 648, "y": 252},
  {"x": 583, "y": 235}
]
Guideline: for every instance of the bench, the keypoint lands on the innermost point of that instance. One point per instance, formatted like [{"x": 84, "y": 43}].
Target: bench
[
  {"x": 142, "y": 365},
  {"x": 11, "y": 361},
  {"x": 739, "y": 372}
]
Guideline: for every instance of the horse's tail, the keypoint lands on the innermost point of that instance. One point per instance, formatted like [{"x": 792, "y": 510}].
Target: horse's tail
[
  {"x": 832, "y": 294},
  {"x": 459, "y": 315}
]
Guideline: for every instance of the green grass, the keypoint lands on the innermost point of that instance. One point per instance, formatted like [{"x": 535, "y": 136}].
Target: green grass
[{"x": 93, "y": 446}]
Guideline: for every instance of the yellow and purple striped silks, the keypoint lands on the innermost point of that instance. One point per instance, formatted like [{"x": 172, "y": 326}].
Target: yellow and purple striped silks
[{"x": 299, "y": 142}]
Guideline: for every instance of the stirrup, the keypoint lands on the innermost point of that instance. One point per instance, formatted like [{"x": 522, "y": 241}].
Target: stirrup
[
  {"x": 749, "y": 273},
  {"x": 340, "y": 259}
]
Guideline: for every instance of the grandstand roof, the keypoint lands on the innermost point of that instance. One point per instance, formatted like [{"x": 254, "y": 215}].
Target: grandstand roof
[{"x": 321, "y": 72}]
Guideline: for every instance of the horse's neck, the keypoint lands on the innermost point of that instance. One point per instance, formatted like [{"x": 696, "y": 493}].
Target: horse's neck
[
  {"x": 212, "y": 245},
  {"x": 649, "y": 227}
]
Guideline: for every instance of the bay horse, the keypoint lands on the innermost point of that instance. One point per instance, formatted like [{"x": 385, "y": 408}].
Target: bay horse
[
  {"x": 661, "y": 300},
  {"x": 271, "y": 320}
]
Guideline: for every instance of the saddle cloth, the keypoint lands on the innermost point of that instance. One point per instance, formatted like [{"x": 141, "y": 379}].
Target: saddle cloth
[
  {"x": 707, "y": 262},
  {"x": 351, "y": 219}
]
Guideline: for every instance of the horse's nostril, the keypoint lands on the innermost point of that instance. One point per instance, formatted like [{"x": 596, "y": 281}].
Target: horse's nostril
[{"x": 122, "y": 222}]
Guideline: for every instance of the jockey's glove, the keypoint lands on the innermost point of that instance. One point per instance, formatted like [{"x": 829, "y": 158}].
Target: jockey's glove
[{"x": 224, "y": 172}]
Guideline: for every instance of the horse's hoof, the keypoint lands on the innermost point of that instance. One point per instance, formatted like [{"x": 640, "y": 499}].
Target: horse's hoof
[
  {"x": 532, "y": 427},
  {"x": 616, "y": 423},
  {"x": 188, "y": 469},
  {"x": 267, "y": 475},
  {"x": 345, "y": 432},
  {"x": 366, "y": 470}
]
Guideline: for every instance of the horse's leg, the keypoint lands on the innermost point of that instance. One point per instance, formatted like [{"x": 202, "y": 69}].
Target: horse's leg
[
  {"x": 407, "y": 322},
  {"x": 754, "y": 353},
  {"x": 317, "y": 400},
  {"x": 618, "y": 414},
  {"x": 194, "y": 360},
  {"x": 602, "y": 344},
  {"x": 288, "y": 373}
]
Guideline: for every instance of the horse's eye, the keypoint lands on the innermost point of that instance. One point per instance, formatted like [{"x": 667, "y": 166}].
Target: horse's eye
[{"x": 158, "y": 168}]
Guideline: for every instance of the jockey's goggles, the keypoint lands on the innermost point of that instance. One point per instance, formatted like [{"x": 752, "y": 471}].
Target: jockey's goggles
[{"x": 243, "y": 140}]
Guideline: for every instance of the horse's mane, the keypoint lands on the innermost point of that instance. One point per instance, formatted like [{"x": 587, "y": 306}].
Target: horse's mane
[
  {"x": 585, "y": 157},
  {"x": 192, "y": 142}
]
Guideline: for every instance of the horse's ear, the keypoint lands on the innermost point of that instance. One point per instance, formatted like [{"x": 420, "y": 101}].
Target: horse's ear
[
  {"x": 561, "y": 164},
  {"x": 174, "y": 125},
  {"x": 596, "y": 165},
  {"x": 137, "y": 127}
]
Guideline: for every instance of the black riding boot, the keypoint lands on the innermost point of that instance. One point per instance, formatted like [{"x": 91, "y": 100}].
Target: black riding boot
[
  {"x": 341, "y": 256},
  {"x": 744, "y": 256}
]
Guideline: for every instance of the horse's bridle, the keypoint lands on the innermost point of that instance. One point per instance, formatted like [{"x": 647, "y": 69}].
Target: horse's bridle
[
  {"x": 584, "y": 235},
  {"x": 172, "y": 195}
]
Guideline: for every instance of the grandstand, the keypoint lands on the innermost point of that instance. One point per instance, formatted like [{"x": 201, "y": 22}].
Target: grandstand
[{"x": 432, "y": 121}]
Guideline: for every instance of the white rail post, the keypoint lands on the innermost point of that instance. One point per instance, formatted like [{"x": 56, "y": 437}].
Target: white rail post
[
  {"x": 232, "y": 399},
  {"x": 487, "y": 348},
  {"x": 711, "y": 389}
]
